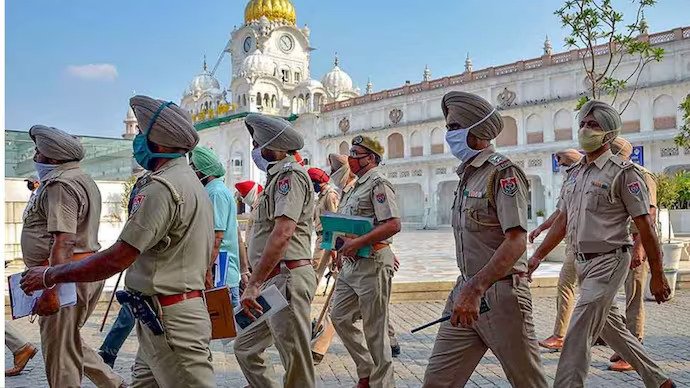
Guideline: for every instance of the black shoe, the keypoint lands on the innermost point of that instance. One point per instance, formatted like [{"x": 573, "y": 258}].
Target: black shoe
[
  {"x": 108, "y": 359},
  {"x": 395, "y": 350}
]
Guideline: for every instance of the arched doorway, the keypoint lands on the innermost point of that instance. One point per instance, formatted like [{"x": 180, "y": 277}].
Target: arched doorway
[{"x": 410, "y": 198}]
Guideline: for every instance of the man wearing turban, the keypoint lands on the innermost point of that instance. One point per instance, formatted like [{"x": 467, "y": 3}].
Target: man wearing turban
[
  {"x": 165, "y": 246},
  {"x": 490, "y": 306},
  {"x": 602, "y": 193},
  {"x": 61, "y": 226},
  {"x": 327, "y": 201},
  {"x": 210, "y": 171},
  {"x": 565, "y": 298},
  {"x": 364, "y": 283},
  {"x": 280, "y": 255}
]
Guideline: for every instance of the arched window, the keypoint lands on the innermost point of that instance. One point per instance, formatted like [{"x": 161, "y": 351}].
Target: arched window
[
  {"x": 437, "y": 140},
  {"x": 344, "y": 148},
  {"x": 563, "y": 125},
  {"x": 535, "y": 129},
  {"x": 266, "y": 100},
  {"x": 396, "y": 146},
  {"x": 664, "y": 112},
  {"x": 631, "y": 117},
  {"x": 258, "y": 99},
  {"x": 244, "y": 100},
  {"x": 274, "y": 101},
  {"x": 416, "y": 144},
  {"x": 507, "y": 137}
]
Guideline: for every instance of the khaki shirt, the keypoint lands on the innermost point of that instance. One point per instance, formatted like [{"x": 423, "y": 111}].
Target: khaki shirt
[
  {"x": 479, "y": 225},
  {"x": 599, "y": 207},
  {"x": 289, "y": 193},
  {"x": 650, "y": 182},
  {"x": 373, "y": 196},
  {"x": 68, "y": 201},
  {"x": 171, "y": 224},
  {"x": 327, "y": 201}
]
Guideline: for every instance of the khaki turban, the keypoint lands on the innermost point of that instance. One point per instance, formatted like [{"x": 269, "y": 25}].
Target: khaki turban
[
  {"x": 607, "y": 117},
  {"x": 172, "y": 127},
  {"x": 273, "y": 133},
  {"x": 56, "y": 144},
  {"x": 207, "y": 162},
  {"x": 569, "y": 156},
  {"x": 467, "y": 110},
  {"x": 337, "y": 161},
  {"x": 622, "y": 148}
]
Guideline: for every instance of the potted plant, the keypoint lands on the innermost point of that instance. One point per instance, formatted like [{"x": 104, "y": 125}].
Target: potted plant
[{"x": 540, "y": 216}]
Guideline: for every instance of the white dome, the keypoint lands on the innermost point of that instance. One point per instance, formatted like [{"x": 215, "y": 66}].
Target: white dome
[
  {"x": 256, "y": 64},
  {"x": 337, "y": 80},
  {"x": 203, "y": 83}
]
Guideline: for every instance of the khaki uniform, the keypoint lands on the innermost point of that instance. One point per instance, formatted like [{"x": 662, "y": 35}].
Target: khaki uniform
[
  {"x": 14, "y": 340},
  {"x": 288, "y": 193},
  {"x": 491, "y": 198},
  {"x": 603, "y": 195},
  {"x": 637, "y": 277},
  {"x": 68, "y": 201},
  {"x": 327, "y": 202},
  {"x": 171, "y": 224},
  {"x": 363, "y": 287},
  {"x": 567, "y": 282}
]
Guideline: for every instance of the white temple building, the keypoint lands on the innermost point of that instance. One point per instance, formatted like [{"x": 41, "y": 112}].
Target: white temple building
[{"x": 270, "y": 74}]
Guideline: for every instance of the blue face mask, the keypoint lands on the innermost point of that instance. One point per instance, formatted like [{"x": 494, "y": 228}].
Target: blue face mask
[
  {"x": 43, "y": 169},
  {"x": 142, "y": 153},
  {"x": 457, "y": 141},
  {"x": 259, "y": 161}
]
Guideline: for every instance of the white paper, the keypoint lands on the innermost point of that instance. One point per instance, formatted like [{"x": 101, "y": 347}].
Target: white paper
[
  {"x": 22, "y": 304},
  {"x": 274, "y": 299}
]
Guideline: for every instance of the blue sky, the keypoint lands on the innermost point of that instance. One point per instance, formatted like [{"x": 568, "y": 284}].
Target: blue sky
[{"x": 155, "y": 47}]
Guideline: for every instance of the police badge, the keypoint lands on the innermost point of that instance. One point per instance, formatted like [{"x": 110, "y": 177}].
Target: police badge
[
  {"x": 509, "y": 186},
  {"x": 284, "y": 186}
]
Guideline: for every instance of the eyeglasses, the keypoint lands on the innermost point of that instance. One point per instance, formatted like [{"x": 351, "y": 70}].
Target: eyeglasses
[
  {"x": 354, "y": 154},
  {"x": 589, "y": 124}
]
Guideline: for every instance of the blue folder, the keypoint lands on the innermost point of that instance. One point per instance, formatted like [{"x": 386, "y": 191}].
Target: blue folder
[
  {"x": 336, "y": 225},
  {"x": 221, "y": 269}
]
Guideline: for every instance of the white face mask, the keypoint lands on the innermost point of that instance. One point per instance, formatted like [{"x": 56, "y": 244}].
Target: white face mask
[
  {"x": 457, "y": 140},
  {"x": 259, "y": 161}
]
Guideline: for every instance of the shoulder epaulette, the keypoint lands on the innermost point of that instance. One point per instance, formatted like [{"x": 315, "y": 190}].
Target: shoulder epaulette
[
  {"x": 624, "y": 164},
  {"x": 288, "y": 166},
  {"x": 176, "y": 196},
  {"x": 501, "y": 162}
]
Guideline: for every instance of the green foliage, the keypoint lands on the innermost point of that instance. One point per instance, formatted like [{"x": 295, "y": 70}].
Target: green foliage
[
  {"x": 683, "y": 182},
  {"x": 596, "y": 22},
  {"x": 581, "y": 101},
  {"x": 540, "y": 213},
  {"x": 666, "y": 191},
  {"x": 127, "y": 186},
  {"x": 683, "y": 137}
]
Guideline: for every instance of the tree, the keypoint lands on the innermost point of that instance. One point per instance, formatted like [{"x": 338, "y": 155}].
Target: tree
[
  {"x": 683, "y": 138},
  {"x": 598, "y": 30},
  {"x": 127, "y": 186}
]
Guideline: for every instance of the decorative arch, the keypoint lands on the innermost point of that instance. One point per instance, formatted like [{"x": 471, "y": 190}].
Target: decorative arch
[
  {"x": 535, "y": 129},
  {"x": 344, "y": 148},
  {"x": 507, "y": 137},
  {"x": 416, "y": 144},
  {"x": 631, "y": 117},
  {"x": 396, "y": 146},
  {"x": 563, "y": 125},
  {"x": 437, "y": 140},
  {"x": 664, "y": 112}
]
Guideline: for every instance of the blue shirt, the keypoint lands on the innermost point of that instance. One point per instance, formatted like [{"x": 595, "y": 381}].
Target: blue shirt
[{"x": 225, "y": 219}]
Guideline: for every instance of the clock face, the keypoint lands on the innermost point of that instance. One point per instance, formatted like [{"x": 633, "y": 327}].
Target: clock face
[
  {"x": 247, "y": 44},
  {"x": 286, "y": 43}
]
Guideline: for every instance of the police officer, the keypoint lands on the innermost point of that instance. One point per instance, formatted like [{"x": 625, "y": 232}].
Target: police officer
[
  {"x": 61, "y": 226},
  {"x": 280, "y": 255},
  {"x": 364, "y": 283},
  {"x": 637, "y": 275},
  {"x": 166, "y": 244},
  {"x": 327, "y": 201},
  {"x": 602, "y": 193},
  {"x": 565, "y": 299},
  {"x": 489, "y": 218}
]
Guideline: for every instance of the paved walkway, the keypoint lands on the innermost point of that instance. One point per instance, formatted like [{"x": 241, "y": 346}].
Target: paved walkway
[{"x": 668, "y": 342}]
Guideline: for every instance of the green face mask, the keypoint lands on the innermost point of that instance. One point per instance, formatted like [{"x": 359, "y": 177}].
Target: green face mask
[{"x": 590, "y": 139}]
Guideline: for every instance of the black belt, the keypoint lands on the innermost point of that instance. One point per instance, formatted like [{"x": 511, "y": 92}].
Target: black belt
[{"x": 590, "y": 256}]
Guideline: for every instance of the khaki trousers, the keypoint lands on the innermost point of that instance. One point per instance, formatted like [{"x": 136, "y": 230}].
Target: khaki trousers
[
  {"x": 634, "y": 300},
  {"x": 507, "y": 329},
  {"x": 65, "y": 354},
  {"x": 14, "y": 340},
  {"x": 363, "y": 290},
  {"x": 289, "y": 330},
  {"x": 565, "y": 300},
  {"x": 596, "y": 315},
  {"x": 181, "y": 357}
]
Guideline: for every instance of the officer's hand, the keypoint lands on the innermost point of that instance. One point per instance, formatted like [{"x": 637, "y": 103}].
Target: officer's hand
[
  {"x": 532, "y": 266},
  {"x": 534, "y": 234},
  {"x": 349, "y": 248},
  {"x": 396, "y": 263},
  {"x": 244, "y": 280},
  {"x": 47, "y": 304},
  {"x": 635, "y": 261},
  {"x": 660, "y": 288},
  {"x": 249, "y": 303},
  {"x": 208, "y": 281},
  {"x": 466, "y": 306},
  {"x": 32, "y": 280}
]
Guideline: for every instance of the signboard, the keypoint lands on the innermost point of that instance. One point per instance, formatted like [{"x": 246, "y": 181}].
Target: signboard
[
  {"x": 554, "y": 163},
  {"x": 637, "y": 155}
]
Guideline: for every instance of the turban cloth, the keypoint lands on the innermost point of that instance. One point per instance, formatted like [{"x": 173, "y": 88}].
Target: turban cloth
[
  {"x": 56, "y": 144},
  {"x": 607, "y": 117},
  {"x": 273, "y": 133},
  {"x": 622, "y": 148},
  {"x": 207, "y": 162},
  {"x": 469, "y": 110},
  {"x": 249, "y": 191},
  {"x": 318, "y": 175},
  {"x": 569, "y": 156},
  {"x": 172, "y": 127}
]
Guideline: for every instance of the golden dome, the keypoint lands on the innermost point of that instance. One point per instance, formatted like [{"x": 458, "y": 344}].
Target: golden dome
[{"x": 272, "y": 9}]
